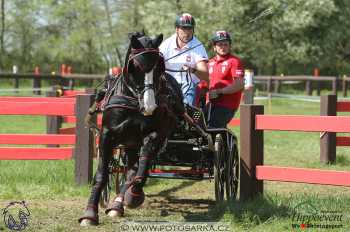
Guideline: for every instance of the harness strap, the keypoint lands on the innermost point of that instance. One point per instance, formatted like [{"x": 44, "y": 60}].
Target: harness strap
[
  {"x": 122, "y": 101},
  {"x": 121, "y": 106}
]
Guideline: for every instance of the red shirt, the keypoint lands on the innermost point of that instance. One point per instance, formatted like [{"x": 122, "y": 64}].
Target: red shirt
[{"x": 222, "y": 72}]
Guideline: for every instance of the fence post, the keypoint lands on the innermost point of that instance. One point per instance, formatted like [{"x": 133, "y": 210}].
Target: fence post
[
  {"x": 345, "y": 86},
  {"x": 83, "y": 154},
  {"x": 71, "y": 81},
  {"x": 16, "y": 83},
  {"x": 277, "y": 86},
  {"x": 328, "y": 139},
  {"x": 53, "y": 123},
  {"x": 37, "y": 81},
  {"x": 252, "y": 151},
  {"x": 334, "y": 85},
  {"x": 248, "y": 96},
  {"x": 269, "y": 85},
  {"x": 318, "y": 83},
  {"x": 308, "y": 87},
  {"x": 248, "y": 92}
]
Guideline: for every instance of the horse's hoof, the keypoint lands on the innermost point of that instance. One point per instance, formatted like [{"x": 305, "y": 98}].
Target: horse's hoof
[
  {"x": 89, "y": 218},
  {"x": 134, "y": 197},
  {"x": 115, "y": 213},
  {"x": 87, "y": 222},
  {"x": 115, "y": 208}
]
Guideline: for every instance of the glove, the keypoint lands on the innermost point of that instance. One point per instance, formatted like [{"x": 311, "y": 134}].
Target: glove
[{"x": 189, "y": 68}]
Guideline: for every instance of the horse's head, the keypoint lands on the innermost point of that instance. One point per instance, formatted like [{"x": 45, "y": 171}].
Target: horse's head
[
  {"x": 143, "y": 64},
  {"x": 144, "y": 52}
]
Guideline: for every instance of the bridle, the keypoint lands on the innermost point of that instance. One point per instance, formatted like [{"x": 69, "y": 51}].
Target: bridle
[{"x": 134, "y": 53}]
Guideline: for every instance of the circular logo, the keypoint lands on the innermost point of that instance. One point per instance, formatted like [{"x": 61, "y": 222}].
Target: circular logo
[{"x": 16, "y": 215}]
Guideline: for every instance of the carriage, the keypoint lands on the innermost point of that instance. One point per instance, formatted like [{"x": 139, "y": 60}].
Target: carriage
[
  {"x": 193, "y": 152},
  {"x": 143, "y": 110}
]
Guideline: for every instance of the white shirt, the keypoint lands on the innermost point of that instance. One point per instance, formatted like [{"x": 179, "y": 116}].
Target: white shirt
[{"x": 190, "y": 58}]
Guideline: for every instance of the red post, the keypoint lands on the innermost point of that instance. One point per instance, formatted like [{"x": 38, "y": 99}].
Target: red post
[
  {"x": 63, "y": 69},
  {"x": 36, "y": 70},
  {"x": 36, "y": 81},
  {"x": 71, "y": 81},
  {"x": 252, "y": 151},
  {"x": 69, "y": 69}
]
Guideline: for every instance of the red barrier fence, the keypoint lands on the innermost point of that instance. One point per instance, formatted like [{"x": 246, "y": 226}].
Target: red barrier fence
[
  {"x": 302, "y": 175},
  {"x": 53, "y": 108},
  {"x": 54, "y": 123},
  {"x": 253, "y": 172},
  {"x": 72, "y": 119},
  {"x": 329, "y": 140}
]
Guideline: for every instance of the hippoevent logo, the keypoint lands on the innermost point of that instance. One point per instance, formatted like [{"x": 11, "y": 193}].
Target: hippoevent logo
[
  {"x": 307, "y": 216},
  {"x": 16, "y": 215}
]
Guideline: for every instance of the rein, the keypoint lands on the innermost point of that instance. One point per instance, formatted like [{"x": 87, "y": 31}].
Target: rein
[
  {"x": 189, "y": 49},
  {"x": 188, "y": 73}
]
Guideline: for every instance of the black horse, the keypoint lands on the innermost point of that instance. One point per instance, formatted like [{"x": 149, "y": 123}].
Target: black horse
[{"x": 142, "y": 108}]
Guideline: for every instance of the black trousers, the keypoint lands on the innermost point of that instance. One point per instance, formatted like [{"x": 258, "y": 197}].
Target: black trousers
[{"x": 218, "y": 116}]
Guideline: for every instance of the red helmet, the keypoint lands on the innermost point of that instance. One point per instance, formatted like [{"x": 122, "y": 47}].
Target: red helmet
[{"x": 221, "y": 36}]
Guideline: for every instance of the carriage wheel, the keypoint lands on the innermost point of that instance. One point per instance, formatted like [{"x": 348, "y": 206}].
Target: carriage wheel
[
  {"x": 115, "y": 179},
  {"x": 219, "y": 168},
  {"x": 232, "y": 171}
]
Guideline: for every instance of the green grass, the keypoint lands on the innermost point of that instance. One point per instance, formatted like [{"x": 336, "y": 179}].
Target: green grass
[{"x": 56, "y": 201}]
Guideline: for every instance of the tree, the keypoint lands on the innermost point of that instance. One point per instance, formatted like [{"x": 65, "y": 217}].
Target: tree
[
  {"x": 271, "y": 36},
  {"x": 2, "y": 33}
]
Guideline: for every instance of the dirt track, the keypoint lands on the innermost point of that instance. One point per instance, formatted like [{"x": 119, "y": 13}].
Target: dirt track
[{"x": 181, "y": 201}]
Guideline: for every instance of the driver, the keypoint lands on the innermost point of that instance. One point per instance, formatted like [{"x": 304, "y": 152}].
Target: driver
[
  {"x": 226, "y": 81},
  {"x": 185, "y": 57}
]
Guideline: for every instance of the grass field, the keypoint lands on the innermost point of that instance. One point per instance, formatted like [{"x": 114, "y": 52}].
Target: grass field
[{"x": 56, "y": 202}]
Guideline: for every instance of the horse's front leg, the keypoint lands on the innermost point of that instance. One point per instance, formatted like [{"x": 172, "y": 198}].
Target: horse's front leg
[
  {"x": 90, "y": 216},
  {"x": 134, "y": 195},
  {"x": 116, "y": 207}
]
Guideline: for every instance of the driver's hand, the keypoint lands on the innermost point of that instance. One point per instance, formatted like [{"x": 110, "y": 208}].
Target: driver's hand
[{"x": 186, "y": 67}]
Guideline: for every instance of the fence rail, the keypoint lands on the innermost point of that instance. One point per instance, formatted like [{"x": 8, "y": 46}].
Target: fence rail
[
  {"x": 273, "y": 83},
  {"x": 303, "y": 175},
  {"x": 37, "y": 139},
  {"x": 253, "y": 172},
  {"x": 303, "y": 123},
  {"x": 53, "y": 108},
  {"x": 37, "y": 153}
]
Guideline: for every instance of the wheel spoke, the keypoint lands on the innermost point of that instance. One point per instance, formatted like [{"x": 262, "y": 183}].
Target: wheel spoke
[
  {"x": 219, "y": 168},
  {"x": 232, "y": 172}
]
